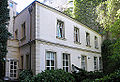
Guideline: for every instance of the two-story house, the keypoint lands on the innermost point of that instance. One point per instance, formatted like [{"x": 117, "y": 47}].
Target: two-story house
[{"x": 49, "y": 39}]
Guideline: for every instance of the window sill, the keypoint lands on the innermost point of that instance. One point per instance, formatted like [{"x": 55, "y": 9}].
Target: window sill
[
  {"x": 77, "y": 42},
  {"x": 88, "y": 45},
  {"x": 23, "y": 38},
  {"x": 63, "y": 38}
]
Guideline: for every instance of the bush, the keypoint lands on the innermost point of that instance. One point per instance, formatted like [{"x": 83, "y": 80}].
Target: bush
[
  {"x": 84, "y": 76},
  {"x": 53, "y": 76},
  {"x": 25, "y": 75},
  {"x": 1, "y": 80},
  {"x": 113, "y": 77}
]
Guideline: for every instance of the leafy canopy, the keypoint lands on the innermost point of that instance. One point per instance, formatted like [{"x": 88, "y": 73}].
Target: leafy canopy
[{"x": 108, "y": 12}]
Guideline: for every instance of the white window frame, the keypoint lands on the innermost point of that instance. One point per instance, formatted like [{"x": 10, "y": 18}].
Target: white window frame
[
  {"x": 50, "y": 59},
  {"x": 13, "y": 69},
  {"x": 66, "y": 59},
  {"x": 100, "y": 63},
  {"x": 95, "y": 63},
  {"x": 60, "y": 29},
  {"x": 96, "y": 42},
  {"x": 76, "y": 34},
  {"x": 87, "y": 39},
  {"x": 84, "y": 62}
]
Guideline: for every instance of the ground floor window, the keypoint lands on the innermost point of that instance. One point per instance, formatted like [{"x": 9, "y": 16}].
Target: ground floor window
[
  {"x": 100, "y": 63},
  {"x": 66, "y": 62},
  {"x": 13, "y": 69},
  {"x": 50, "y": 60},
  {"x": 84, "y": 62},
  {"x": 95, "y": 63}
]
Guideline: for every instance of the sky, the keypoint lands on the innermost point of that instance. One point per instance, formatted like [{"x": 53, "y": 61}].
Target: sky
[{"x": 21, "y": 4}]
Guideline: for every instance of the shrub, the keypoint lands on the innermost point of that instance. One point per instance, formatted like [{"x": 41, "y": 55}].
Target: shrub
[
  {"x": 25, "y": 75},
  {"x": 113, "y": 77},
  {"x": 53, "y": 76},
  {"x": 1, "y": 80},
  {"x": 84, "y": 76}
]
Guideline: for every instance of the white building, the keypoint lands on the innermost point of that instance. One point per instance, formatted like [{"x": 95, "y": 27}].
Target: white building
[{"x": 48, "y": 39}]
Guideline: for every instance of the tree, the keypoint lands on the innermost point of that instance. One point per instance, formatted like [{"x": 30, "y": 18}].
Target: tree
[
  {"x": 84, "y": 11},
  {"x": 4, "y": 34},
  {"x": 108, "y": 12}
]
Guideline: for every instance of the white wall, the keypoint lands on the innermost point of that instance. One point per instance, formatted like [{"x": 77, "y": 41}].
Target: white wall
[
  {"x": 42, "y": 47},
  {"x": 46, "y": 20}
]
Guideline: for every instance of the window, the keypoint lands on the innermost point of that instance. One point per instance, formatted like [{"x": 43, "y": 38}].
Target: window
[
  {"x": 27, "y": 61},
  {"x": 50, "y": 60},
  {"x": 23, "y": 30},
  {"x": 76, "y": 34},
  {"x": 22, "y": 61},
  {"x": 95, "y": 63},
  {"x": 66, "y": 62},
  {"x": 96, "y": 42},
  {"x": 16, "y": 34},
  {"x": 13, "y": 69},
  {"x": 60, "y": 29},
  {"x": 100, "y": 63},
  {"x": 87, "y": 39},
  {"x": 84, "y": 62}
]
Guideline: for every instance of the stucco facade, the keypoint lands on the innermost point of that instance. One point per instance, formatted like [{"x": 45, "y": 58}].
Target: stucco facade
[{"x": 36, "y": 28}]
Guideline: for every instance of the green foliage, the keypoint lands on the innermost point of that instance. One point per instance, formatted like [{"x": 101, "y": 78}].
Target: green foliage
[
  {"x": 25, "y": 75},
  {"x": 68, "y": 11},
  {"x": 84, "y": 11},
  {"x": 113, "y": 77},
  {"x": 108, "y": 13},
  {"x": 84, "y": 76},
  {"x": 1, "y": 80},
  {"x": 4, "y": 34},
  {"x": 53, "y": 76},
  {"x": 111, "y": 55},
  {"x": 115, "y": 29}
]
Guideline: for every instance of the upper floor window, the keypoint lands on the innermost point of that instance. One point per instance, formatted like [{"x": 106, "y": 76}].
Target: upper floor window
[
  {"x": 76, "y": 34},
  {"x": 87, "y": 39},
  {"x": 60, "y": 29},
  {"x": 96, "y": 42},
  {"x": 66, "y": 62},
  {"x": 84, "y": 62},
  {"x": 16, "y": 34},
  {"x": 50, "y": 60},
  {"x": 23, "y": 30},
  {"x": 95, "y": 63}
]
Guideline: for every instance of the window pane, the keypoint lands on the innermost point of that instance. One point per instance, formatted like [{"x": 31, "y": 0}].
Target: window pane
[
  {"x": 14, "y": 75},
  {"x": 15, "y": 63},
  {"x": 48, "y": 68},
  {"x": 48, "y": 62},
  {"x": 52, "y": 62},
  {"x": 66, "y": 63},
  {"x": 66, "y": 69},
  {"x": 48, "y": 56},
  {"x": 52, "y": 68},
  {"x": 11, "y": 66}
]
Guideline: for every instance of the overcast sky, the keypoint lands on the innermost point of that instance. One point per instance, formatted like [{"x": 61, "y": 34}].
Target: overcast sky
[{"x": 21, "y": 4}]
